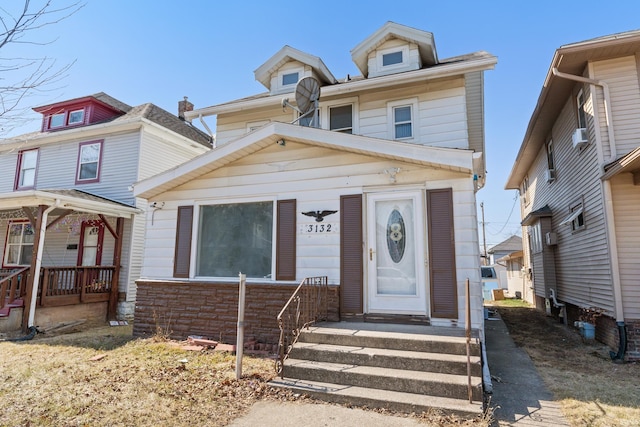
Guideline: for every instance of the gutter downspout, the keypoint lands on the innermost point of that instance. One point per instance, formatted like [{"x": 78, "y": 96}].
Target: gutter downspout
[
  {"x": 609, "y": 213},
  {"x": 36, "y": 276}
]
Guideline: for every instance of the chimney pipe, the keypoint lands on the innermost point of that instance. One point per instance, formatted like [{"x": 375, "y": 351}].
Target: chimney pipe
[{"x": 184, "y": 106}]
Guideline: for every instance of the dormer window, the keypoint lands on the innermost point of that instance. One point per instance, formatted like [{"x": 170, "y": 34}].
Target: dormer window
[
  {"x": 290, "y": 79},
  {"x": 392, "y": 58},
  {"x": 76, "y": 117},
  {"x": 57, "y": 120}
]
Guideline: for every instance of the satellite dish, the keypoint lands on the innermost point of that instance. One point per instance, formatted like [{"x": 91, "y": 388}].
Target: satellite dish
[{"x": 307, "y": 94}]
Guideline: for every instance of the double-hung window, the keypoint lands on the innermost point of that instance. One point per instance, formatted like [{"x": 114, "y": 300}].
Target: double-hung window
[
  {"x": 19, "y": 246},
  {"x": 341, "y": 118},
  {"x": 582, "y": 116},
  {"x": 27, "y": 166},
  {"x": 236, "y": 237},
  {"x": 401, "y": 116},
  {"x": 89, "y": 159},
  {"x": 402, "y": 122}
]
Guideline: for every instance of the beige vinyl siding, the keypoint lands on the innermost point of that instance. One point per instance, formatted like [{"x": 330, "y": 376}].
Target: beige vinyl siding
[
  {"x": 582, "y": 270},
  {"x": 315, "y": 177},
  {"x": 626, "y": 200},
  {"x": 474, "y": 84},
  {"x": 230, "y": 127},
  {"x": 621, "y": 75}
]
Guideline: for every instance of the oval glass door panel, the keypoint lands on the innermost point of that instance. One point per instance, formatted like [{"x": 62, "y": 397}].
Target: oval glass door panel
[
  {"x": 396, "y": 236},
  {"x": 395, "y": 242}
]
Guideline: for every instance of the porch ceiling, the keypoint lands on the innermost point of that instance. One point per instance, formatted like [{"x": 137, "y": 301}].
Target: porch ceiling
[{"x": 75, "y": 200}]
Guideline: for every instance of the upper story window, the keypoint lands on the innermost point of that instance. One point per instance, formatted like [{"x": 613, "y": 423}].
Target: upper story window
[
  {"x": 56, "y": 120},
  {"x": 402, "y": 118},
  {"x": 525, "y": 191},
  {"x": 19, "y": 245},
  {"x": 341, "y": 118},
  {"x": 27, "y": 167},
  {"x": 66, "y": 118},
  {"x": 290, "y": 79},
  {"x": 89, "y": 159},
  {"x": 76, "y": 117},
  {"x": 402, "y": 122},
  {"x": 392, "y": 58},
  {"x": 550, "y": 161},
  {"x": 582, "y": 116}
]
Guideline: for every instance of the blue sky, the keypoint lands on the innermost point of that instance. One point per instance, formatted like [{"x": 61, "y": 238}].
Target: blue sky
[{"x": 159, "y": 51}]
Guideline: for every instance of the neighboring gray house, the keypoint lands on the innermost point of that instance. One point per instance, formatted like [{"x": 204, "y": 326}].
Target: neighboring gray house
[
  {"x": 67, "y": 210},
  {"x": 578, "y": 172},
  {"x": 512, "y": 244}
]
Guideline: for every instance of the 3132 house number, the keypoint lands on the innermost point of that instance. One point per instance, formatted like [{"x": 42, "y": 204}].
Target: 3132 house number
[{"x": 318, "y": 228}]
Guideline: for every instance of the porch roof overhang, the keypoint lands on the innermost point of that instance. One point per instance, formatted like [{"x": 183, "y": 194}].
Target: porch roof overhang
[
  {"x": 543, "y": 212},
  {"x": 76, "y": 200},
  {"x": 630, "y": 163},
  {"x": 456, "y": 160}
]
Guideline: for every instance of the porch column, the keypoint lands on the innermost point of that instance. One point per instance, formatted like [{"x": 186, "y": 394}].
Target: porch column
[
  {"x": 29, "y": 295},
  {"x": 117, "y": 253}
]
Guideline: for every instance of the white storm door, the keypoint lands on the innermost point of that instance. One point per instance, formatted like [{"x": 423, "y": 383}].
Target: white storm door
[{"x": 396, "y": 271}]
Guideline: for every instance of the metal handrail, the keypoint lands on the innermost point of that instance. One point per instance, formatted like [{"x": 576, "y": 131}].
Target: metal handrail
[{"x": 307, "y": 305}]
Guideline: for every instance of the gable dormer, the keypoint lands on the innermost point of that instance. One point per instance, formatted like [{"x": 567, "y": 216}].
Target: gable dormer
[
  {"x": 283, "y": 70},
  {"x": 395, "y": 48},
  {"x": 80, "y": 112}
]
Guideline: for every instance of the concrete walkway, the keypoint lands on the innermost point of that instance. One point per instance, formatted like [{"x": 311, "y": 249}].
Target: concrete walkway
[{"x": 519, "y": 397}]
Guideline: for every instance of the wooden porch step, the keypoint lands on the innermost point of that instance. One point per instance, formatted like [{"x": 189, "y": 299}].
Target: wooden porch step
[{"x": 377, "y": 398}]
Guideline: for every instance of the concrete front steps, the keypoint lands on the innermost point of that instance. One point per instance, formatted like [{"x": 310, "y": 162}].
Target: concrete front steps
[{"x": 406, "y": 368}]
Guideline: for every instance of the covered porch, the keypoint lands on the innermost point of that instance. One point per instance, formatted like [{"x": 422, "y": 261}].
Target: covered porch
[{"x": 65, "y": 236}]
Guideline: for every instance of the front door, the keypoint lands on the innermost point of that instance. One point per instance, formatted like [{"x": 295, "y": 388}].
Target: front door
[
  {"x": 91, "y": 238},
  {"x": 395, "y": 254}
]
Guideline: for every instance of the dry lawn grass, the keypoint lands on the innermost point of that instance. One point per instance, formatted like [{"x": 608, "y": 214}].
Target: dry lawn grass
[
  {"x": 57, "y": 381},
  {"x": 592, "y": 390}
]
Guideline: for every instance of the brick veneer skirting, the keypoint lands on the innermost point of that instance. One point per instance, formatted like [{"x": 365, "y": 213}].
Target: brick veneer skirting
[{"x": 180, "y": 309}]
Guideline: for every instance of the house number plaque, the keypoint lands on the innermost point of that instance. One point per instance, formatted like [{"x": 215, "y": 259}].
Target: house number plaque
[{"x": 319, "y": 228}]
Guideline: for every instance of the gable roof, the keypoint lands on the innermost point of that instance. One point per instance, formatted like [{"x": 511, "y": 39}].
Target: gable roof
[
  {"x": 270, "y": 134},
  {"x": 512, "y": 244},
  {"x": 570, "y": 59},
  {"x": 391, "y": 30},
  {"x": 287, "y": 54}
]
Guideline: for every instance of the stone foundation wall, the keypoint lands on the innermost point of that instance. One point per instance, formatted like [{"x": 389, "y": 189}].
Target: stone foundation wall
[{"x": 180, "y": 309}]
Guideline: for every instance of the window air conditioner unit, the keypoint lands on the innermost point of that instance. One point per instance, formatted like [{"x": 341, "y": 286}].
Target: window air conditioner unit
[
  {"x": 550, "y": 175},
  {"x": 579, "y": 138},
  {"x": 551, "y": 238}
]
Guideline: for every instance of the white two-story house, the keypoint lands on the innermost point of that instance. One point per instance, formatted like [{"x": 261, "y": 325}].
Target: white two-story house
[
  {"x": 578, "y": 172},
  {"x": 374, "y": 190},
  {"x": 71, "y": 230}
]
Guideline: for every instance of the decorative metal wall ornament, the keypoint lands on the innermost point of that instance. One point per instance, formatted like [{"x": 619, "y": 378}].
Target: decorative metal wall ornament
[
  {"x": 396, "y": 236},
  {"x": 319, "y": 215}
]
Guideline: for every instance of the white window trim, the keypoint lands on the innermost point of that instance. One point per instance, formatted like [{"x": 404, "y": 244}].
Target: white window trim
[
  {"x": 581, "y": 106},
  {"x": 195, "y": 233},
  {"x": 22, "y": 169},
  {"x": 81, "y": 110},
  {"x": 535, "y": 238},
  {"x": 413, "y": 103},
  {"x": 290, "y": 87},
  {"x": 576, "y": 209},
  {"x": 51, "y": 125},
  {"x": 324, "y": 113},
  {"x": 405, "y": 57},
  {"x": 23, "y": 223}
]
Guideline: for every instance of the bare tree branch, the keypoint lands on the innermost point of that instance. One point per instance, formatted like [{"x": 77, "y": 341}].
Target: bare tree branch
[{"x": 23, "y": 77}]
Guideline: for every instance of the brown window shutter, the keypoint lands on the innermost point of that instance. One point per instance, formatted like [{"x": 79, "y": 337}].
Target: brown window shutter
[
  {"x": 351, "y": 264},
  {"x": 442, "y": 256},
  {"x": 286, "y": 243},
  {"x": 182, "y": 256}
]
